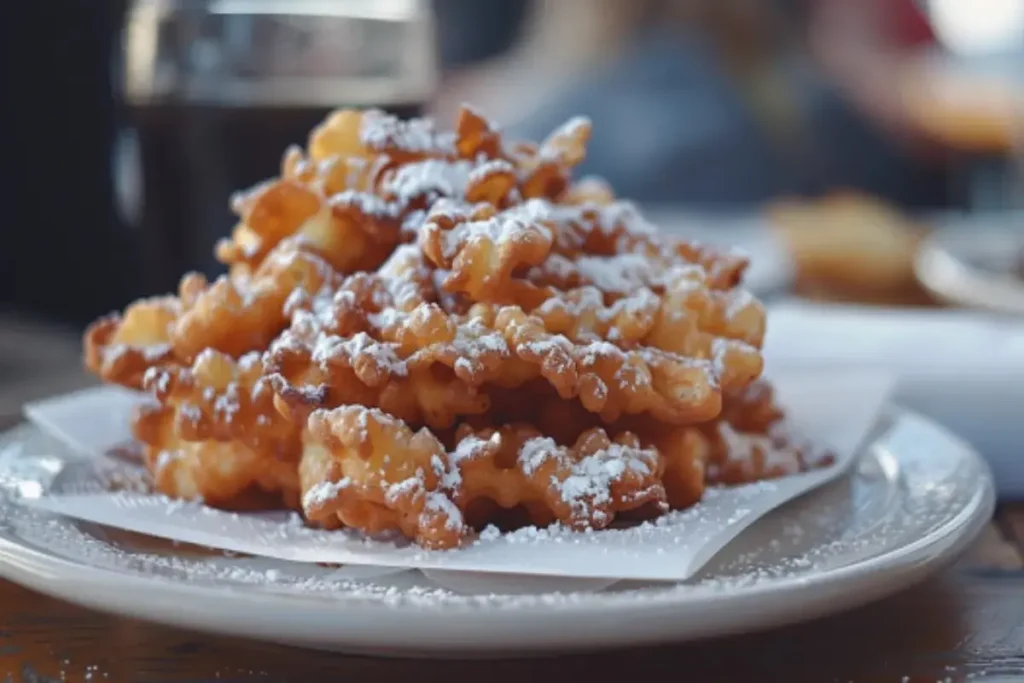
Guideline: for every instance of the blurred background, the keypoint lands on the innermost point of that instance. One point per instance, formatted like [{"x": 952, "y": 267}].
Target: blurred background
[{"x": 831, "y": 137}]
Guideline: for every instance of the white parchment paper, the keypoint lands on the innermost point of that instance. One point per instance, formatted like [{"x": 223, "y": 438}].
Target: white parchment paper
[{"x": 835, "y": 409}]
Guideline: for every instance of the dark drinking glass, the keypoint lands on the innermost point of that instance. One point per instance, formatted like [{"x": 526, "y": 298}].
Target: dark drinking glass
[{"x": 216, "y": 91}]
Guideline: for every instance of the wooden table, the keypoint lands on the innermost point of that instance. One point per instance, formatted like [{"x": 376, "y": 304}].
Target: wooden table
[{"x": 964, "y": 625}]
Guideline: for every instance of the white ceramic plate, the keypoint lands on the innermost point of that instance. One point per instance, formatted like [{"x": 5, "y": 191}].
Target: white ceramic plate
[
  {"x": 971, "y": 264},
  {"x": 917, "y": 498}
]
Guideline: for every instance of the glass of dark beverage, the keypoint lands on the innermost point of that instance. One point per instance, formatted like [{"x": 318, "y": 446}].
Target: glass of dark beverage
[{"x": 215, "y": 90}]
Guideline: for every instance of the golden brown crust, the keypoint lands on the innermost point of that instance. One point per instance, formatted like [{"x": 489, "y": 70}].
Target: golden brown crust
[
  {"x": 362, "y": 457},
  {"x": 425, "y": 333},
  {"x": 120, "y": 348},
  {"x": 752, "y": 440},
  {"x": 215, "y": 434}
]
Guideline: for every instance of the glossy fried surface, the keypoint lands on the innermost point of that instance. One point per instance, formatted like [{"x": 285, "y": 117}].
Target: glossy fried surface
[
  {"x": 425, "y": 333},
  {"x": 213, "y": 433},
  {"x": 410, "y": 481}
]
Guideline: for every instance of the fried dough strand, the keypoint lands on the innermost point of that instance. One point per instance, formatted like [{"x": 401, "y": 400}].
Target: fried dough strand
[
  {"x": 753, "y": 440},
  {"x": 120, "y": 348},
  {"x": 373, "y": 472},
  {"x": 213, "y": 433}
]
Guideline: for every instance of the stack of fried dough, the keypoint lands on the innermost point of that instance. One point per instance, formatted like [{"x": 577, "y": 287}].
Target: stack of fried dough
[{"x": 428, "y": 333}]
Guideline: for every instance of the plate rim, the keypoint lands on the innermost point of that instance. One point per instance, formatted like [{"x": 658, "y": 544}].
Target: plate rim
[
  {"x": 223, "y": 609},
  {"x": 955, "y": 281}
]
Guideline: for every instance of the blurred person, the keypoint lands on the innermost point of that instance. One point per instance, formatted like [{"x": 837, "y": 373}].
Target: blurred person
[
  {"x": 713, "y": 103},
  {"x": 859, "y": 43}
]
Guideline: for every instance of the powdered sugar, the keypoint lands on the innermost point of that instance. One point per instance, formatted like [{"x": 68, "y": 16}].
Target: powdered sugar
[
  {"x": 557, "y": 266},
  {"x": 584, "y": 484},
  {"x": 366, "y": 203},
  {"x": 492, "y": 229},
  {"x": 472, "y": 447},
  {"x": 430, "y": 178},
  {"x": 509, "y": 226},
  {"x": 591, "y": 478},
  {"x": 740, "y": 301},
  {"x": 626, "y": 217},
  {"x": 474, "y": 340},
  {"x": 533, "y": 210},
  {"x": 383, "y": 132},
  {"x": 324, "y": 492},
  {"x": 534, "y": 453},
  {"x": 489, "y": 168},
  {"x": 621, "y": 273},
  {"x": 587, "y": 303},
  {"x": 438, "y": 502},
  {"x": 595, "y": 350},
  {"x": 747, "y": 449},
  {"x": 403, "y": 489},
  {"x": 331, "y": 349},
  {"x": 413, "y": 221},
  {"x": 151, "y": 352}
]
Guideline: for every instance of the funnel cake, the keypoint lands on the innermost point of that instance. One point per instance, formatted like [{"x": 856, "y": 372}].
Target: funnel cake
[
  {"x": 427, "y": 333},
  {"x": 213, "y": 434}
]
